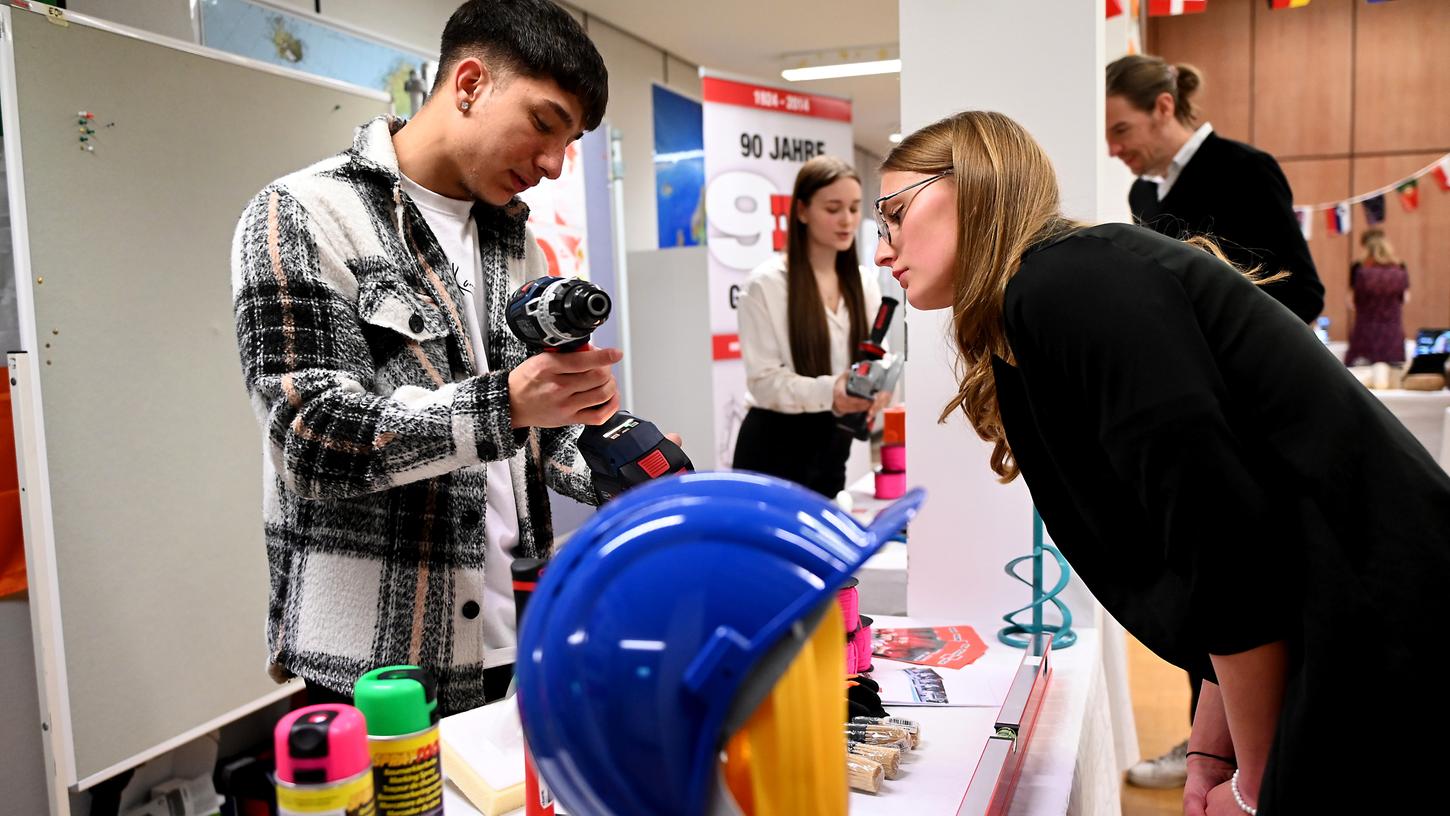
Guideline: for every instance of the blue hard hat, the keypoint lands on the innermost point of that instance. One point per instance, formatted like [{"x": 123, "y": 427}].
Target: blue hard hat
[{"x": 664, "y": 622}]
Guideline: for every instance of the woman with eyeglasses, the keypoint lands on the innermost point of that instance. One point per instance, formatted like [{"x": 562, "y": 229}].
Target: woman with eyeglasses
[
  {"x": 802, "y": 317},
  {"x": 1225, "y": 488}
]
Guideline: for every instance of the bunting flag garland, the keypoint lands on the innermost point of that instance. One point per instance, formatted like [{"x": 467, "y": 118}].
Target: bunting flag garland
[
  {"x": 1441, "y": 172},
  {"x": 1305, "y": 216},
  {"x": 1407, "y": 190},
  {"x": 1115, "y": 7},
  {"x": 1173, "y": 8},
  {"x": 1409, "y": 195},
  {"x": 1338, "y": 218},
  {"x": 1374, "y": 210}
]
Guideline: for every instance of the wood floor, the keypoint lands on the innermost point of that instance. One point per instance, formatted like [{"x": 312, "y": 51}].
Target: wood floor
[{"x": 1160, "y": 706}]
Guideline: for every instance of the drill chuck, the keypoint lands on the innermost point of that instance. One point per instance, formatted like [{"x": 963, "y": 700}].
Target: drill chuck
[{"x": 559, "y": 313}]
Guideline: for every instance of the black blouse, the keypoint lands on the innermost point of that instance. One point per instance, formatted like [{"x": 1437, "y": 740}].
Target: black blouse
[{"x": 1220, "y": 481}]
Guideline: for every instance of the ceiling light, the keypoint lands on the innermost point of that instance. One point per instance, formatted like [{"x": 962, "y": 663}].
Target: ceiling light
[
  {"x": 847, "y": 69},
  {"x": 894, "y": 138},
  {"x": 832, "y": 63}
]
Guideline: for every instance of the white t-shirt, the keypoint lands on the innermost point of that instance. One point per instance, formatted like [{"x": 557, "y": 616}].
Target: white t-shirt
[
  {"x": 765, "y": 342},
  {"x": 453, "y": 226}
]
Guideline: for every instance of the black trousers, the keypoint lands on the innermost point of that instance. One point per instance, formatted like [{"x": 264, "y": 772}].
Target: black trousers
[
  {"x": 807, "y": 449},
  {"x": 496, "y": 681}
]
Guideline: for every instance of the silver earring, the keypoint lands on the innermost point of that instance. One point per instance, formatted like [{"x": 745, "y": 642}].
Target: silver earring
[{"x": 463, "y": 105}]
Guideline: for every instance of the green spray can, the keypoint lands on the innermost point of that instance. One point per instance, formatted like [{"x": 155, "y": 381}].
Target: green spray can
[{"x": 400, "y": 704}]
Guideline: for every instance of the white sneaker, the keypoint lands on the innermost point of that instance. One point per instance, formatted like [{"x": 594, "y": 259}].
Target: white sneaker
[{"x": 1167, "y": 771}]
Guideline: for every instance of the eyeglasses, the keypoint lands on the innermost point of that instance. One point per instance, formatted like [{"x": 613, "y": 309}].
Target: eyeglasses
[{"x": 884, "y": 222}]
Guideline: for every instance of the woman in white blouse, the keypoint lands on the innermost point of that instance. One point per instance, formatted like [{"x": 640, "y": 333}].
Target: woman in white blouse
[{"x": 802, "y": 317}]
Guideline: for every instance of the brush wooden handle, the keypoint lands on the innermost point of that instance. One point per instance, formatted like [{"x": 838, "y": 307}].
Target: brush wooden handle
[
  {"x": 864, "y": 774},
  {"x": 889, "y": 758},
  {"x": 862, "y": 733},
  {"x": 896, "y": 732},
  {"x": 912, "y": 727}
]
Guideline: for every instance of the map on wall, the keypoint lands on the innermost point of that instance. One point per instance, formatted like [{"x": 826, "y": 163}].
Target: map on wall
[{"x": 272, "y": 35}]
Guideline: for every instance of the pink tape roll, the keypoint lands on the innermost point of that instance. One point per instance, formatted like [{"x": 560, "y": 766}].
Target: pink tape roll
[
  {"x": 890, "y": 485},
  {"x": 893, "y": 458},
  {"x": 862, "y": 646},
  {"x": 850, "y": 606},
  {"x": 850, "y": 603},
  {"x": 852, "y": 657}
]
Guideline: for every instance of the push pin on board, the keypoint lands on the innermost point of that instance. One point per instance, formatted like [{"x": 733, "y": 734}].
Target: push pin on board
[{"x": 84, "y": 120}]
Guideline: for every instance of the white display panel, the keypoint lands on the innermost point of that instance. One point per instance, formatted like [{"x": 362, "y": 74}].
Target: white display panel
[{"x": 757, "y": 136}]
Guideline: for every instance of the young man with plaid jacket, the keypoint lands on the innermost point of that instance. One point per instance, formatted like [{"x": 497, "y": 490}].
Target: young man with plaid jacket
[{"x": 410, "y": 436}]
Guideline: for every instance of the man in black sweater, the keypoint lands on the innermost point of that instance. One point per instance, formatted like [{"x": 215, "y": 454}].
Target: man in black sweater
[{"x": 1194, "y": 182}]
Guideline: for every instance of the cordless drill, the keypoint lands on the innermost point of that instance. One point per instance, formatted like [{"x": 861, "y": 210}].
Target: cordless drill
[
  {"x": 875, "y": 371},
  {"x": 558, "y": 315}
]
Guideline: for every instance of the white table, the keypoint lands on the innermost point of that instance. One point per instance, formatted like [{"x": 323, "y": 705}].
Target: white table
[
  {"x": 883, "y": 592},
  {"x": 1423, "y": 413},
  {"x": 1070, "y": 766}
]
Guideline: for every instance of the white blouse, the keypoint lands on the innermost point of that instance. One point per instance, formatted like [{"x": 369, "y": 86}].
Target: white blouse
[{"x": 765, "y": 342}]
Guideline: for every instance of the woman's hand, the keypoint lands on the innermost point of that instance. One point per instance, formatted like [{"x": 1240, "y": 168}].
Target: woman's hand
[
  {"x": 843, "y": 403},
  {"x": 879, "y": 404},
  {"x": 1204, "y": 775},
  {"x": 1221, "y": 802}
]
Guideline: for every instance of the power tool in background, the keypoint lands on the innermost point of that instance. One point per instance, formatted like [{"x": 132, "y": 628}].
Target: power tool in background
[
  {"x": 558, "y": 315},
  {"x": 876, "y": 371}
]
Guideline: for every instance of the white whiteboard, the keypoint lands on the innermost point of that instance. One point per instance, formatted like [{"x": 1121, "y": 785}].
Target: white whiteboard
[{"x": 143, "y": 464}]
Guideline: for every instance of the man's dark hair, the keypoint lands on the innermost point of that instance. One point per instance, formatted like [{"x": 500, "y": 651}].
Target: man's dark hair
[{"x": 533, "y": 38}]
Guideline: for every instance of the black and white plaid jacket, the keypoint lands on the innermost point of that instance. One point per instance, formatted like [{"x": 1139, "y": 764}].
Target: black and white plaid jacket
[{"x": 376, "y": 431}]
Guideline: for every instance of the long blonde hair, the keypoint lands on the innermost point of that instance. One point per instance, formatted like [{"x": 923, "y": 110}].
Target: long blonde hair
[
  {"x": 1007, "y": 200},
  {"x": 1377, "y": 248}
]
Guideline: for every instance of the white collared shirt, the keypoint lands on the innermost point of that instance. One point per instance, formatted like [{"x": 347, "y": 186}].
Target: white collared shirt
[
  {"x": 765, "y": 342},
  {"x": 1181, "y": 160}
]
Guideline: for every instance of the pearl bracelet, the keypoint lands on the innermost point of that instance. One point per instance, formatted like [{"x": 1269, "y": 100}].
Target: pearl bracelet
[{"x": 1239, "y": 797}]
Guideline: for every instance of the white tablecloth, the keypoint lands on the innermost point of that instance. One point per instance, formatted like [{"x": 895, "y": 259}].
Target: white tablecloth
[
  {"x": 883, "y": 592},
  {"x": 1070, "y": 765},
  {"x": 1423, "y": 413}
]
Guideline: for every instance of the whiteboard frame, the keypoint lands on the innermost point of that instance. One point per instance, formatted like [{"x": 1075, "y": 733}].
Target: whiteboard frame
[
  {"x": 38, "y": 524},
  {"x": 40, "y": 567},
  {"x": 29, "y": 417}
]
